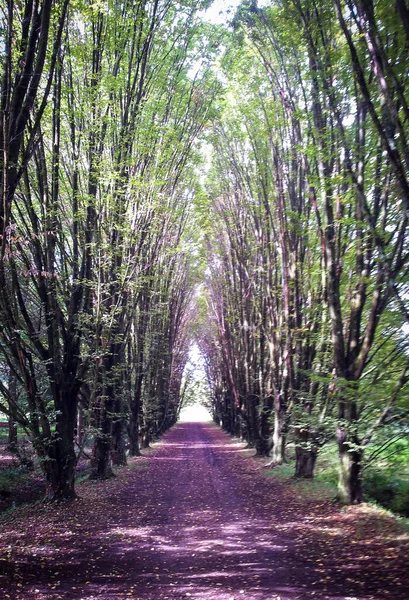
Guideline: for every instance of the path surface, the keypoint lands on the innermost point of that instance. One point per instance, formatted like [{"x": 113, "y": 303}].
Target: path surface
[{"x": 196, "y": 519}]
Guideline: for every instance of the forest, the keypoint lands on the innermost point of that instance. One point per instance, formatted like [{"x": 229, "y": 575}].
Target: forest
[{"x": 167, "y": 182}]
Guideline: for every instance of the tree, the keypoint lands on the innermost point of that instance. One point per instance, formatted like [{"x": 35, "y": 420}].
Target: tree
[
  {"x": 328, "y": 176},
  {"x": 73, "y": 191}
]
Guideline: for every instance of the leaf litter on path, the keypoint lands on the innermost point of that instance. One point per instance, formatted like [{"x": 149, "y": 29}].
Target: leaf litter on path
[{"x": 200, "y": 521}]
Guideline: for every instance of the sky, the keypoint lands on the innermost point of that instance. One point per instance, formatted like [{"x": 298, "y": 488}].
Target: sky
[
  {"x": 216, "y": 14},
  {"x": 195, "y": 412}
]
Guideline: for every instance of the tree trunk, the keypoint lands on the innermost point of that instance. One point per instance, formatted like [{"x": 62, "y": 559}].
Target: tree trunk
[
  {"x": 146, "y": 441},
  {"x": 146, "y": 434},
  {"x": 12, "y": 439},
  {"x": 80, "y": 426},
  {"x": 101, "y": 464},
  {"x": 133, "y": 433},
  {"x": 278, "y": 452},
  {"x": 60, "y": 477},
  {"x": 350, "y": 473},
  {"x": 279, "y": 438},
  {"x": 350, "y": 455},
  {"x": 60, "y": 461},
  {"x": 12, "y": 435},
  {"x": 253, "y": 434},
  {"x": 263, "y": 445},
  {"x": 118, "y": 452},
  {"x": 305, "y": 462},
  {"x": 133, "y": 427}
]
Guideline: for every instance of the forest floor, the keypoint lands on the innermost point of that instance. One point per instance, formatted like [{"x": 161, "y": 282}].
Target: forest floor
[{"x": 198, "y": 518}]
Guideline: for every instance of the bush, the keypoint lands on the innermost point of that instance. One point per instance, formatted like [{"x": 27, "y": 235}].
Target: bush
[
  {"x": 387, "y": 490},
  {"x": 8, "y": 478},
  {"x": 25, "y": 455}
]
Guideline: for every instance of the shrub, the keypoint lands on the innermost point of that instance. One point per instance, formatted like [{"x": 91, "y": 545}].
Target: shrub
[{"x": 387, "y": 490}]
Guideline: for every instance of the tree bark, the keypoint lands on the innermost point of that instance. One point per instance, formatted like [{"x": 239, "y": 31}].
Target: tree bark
[
  {"x": 133, "y": 433},
  {"x": 12, "y": 439},
  {"x": 305, "y": 462},
  {"x": 118, "y": 451},
  {"x": 279, "y": 437},
  {"x": 101, "y": 463},
  {"x": 350, "y": 455},
  {"x": 60, "y": 460}
]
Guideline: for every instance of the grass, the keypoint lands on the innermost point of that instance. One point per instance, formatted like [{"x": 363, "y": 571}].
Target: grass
[
  {"x": 385, "y": 488},
  {"x": 137, "y": 466},
  {"x": 9, "y": 478},
  {"x": 316, "y": 489}
]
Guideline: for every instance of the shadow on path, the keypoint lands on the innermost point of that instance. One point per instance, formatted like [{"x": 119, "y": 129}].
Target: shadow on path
[{"x": 192, "y": 520}]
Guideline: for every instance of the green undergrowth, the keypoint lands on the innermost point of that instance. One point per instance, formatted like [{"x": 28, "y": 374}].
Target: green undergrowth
[
  {"x": 388, "y": 490},
  {"x": 315, "y": 489},
  {"x": 136, "y": 466},
  {"x": 385, "y": 481},
  {"x": 9, "y": 478}
]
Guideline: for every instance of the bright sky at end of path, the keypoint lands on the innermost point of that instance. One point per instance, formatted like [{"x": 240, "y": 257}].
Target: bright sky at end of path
[
  {"x": 196, "y": 413},
  {"x": 217, "y": 12}
]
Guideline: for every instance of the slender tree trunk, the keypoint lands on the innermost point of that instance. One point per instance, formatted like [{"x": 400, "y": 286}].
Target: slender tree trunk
[
  {"x": 80, "y": 426},
  {"x": 133, "y": 432},
  {"x": 350, "y": 455},
  {"x": 12, "y": 434},
  {"x": 101, "y": 463},
  {"x": 135, "y": 409},
  {"x": 279, "y": 438},
  {"x": 264, "y": 443},
  {"x": 251, "y": 422},
  {"x": 12, "y": 439},
  {"x": 118, "y": 451},
  {"x": 146, "y": 440}
]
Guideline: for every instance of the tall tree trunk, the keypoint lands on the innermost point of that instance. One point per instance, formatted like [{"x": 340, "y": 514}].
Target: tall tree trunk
[
  {"x": 101, "y": 463},
  {"x": 80, "y": 426},
  {"x": 12, "y": 439},
  {"x": 306, "y": 453},
  {"x": 118, "y": 450},
  {"x": 135, "y": 408},
  {"x": 263, "y": 440},
  {"x": 279, "y": 437},
  {"x": 350, "y": 455},
  {"x": 264, "y": 443},
  {"x": 133, "y": 433},
  {"x": 60, "y": 460}
]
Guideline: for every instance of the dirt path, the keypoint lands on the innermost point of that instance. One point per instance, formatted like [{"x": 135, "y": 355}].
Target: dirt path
[{"x": 196, "y": 519}]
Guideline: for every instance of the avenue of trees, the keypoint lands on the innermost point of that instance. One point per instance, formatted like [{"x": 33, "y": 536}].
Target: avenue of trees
[
  {"x": 308, "y": 263},
  {"x": 245, "y": 187},
  {"x": 101, "y": 103}
]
